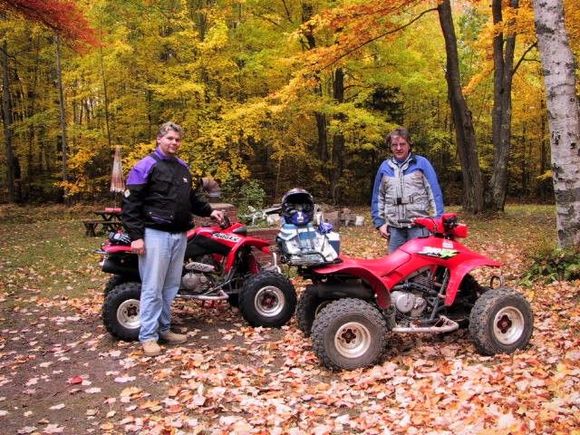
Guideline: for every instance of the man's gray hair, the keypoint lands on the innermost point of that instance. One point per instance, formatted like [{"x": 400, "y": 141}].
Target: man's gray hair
[
  {"x": 165, "y": 127},
  {"x": 401, "y": 132}
]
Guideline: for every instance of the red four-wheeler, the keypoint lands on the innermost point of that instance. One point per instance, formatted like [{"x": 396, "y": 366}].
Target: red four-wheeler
[
  {"x": 423, "y": 287},
  {"x": 221, "y": 264}
]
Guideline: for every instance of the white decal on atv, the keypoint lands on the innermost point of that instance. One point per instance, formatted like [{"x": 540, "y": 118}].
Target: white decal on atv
[
  {"x": 447, "y": 244},
  {"x": 229, "y": 237},
  {"x": 438, "y": 252}
]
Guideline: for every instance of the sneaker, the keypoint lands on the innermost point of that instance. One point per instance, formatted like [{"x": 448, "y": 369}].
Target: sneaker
[
  {"x": 151, "y": 348},
  {"x": 172, "y": 337}
]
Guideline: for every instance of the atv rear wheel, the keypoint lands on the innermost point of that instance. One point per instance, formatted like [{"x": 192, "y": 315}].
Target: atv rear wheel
[
  {"x": 348, "y": 334},
  {"x": 501, "y": 322},
  {"x": 267, "y": 299},
  {"x": 121, "y": 311},
  {"x": 309, "y": 305}
]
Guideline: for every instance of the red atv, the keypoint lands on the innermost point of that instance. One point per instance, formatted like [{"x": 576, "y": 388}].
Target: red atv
[
  {"x": 220, "y": 265},
  {"x": 423, "y": 287}
]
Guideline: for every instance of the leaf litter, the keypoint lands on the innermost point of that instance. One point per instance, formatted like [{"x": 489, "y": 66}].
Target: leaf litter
[{"x": 62, "y": 373}]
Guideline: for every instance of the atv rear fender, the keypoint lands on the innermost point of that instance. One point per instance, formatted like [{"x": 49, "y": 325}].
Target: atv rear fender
[{"x": 350, "y": 268}]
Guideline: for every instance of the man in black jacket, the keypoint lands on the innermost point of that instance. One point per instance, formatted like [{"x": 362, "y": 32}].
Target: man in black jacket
[{"x": 158, "y": 208}]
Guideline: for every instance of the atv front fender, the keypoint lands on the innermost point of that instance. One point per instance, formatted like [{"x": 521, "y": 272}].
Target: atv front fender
[{"x": 459, "y": 272}]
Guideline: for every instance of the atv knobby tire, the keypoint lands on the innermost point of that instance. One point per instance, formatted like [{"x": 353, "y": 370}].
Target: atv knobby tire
[
  {"x": 348, "y": 334},
  {"x": 501, "y": 321},
  {"x": 113, "y": 282},
  {"x": 267, "y": 299},
  {"x": 121, "y": 311},
  {"x": 309, "y": 305}
]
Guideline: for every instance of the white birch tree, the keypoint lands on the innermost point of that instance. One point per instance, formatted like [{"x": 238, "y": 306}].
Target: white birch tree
[{"x": 558, "y": 67}]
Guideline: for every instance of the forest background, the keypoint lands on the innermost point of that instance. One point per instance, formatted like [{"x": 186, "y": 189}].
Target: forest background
[{"x": 283, "y": 93}]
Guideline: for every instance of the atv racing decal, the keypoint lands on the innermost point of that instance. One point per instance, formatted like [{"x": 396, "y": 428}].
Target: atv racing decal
[
  {"x": 439, "y": 252},
  {"x": 229, "y": 237}
]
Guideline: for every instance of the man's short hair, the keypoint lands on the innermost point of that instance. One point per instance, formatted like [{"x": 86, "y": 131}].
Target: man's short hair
[{"x": 165, "y": 127}]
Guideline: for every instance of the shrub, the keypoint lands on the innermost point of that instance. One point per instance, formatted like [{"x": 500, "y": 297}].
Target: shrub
[
  {"x": 244, "y": 196},
  {"x": 554, "y": 265}
]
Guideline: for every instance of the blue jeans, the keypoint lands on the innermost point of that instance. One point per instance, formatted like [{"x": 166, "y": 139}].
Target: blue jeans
[
  {"x": 160, "y": 269},
  {"x": 398, "y": 236}
]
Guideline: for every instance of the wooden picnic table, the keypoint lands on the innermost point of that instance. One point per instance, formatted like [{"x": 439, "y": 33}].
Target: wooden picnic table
[
  {"x": 109, "y": 214},
  {"x": 109, "y": 221}
]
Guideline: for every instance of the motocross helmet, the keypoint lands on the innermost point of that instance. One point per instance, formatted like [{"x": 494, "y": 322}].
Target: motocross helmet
[{"x": 297, "y": 207}]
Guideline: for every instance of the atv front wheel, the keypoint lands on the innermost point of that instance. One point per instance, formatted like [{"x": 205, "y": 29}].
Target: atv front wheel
[
  {"x": 267, "y": 299},
  {"x": 348, "y": 334},
  {"x": 121, "y": 311},
  {"x": 501, "y": 321},
  {"x": 309, "y": 305},
  {"x": 113, "y": 282}
]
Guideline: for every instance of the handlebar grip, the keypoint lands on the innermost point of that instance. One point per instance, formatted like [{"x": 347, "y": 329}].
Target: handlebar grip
[{"x": 226, "y": 222}]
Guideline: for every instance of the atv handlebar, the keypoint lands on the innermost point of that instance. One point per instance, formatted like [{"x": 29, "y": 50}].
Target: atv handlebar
[
  {"x": 446, "y": 225},
  {"x": 226, "y": 223}
]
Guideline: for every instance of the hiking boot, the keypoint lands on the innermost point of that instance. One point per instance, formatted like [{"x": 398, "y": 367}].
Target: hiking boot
[
  {"x": 151, "y": 348},
  {"x": 172, "y": 337}
]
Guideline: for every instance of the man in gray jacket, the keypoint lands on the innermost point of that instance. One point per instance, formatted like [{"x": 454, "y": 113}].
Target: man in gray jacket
[{"x": 405, "y": 187}]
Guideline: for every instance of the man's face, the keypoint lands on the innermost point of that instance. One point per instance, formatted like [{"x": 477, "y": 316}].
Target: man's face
[
  {"x": 169, "y": 143},
  {"x": 400, "y": 147}
]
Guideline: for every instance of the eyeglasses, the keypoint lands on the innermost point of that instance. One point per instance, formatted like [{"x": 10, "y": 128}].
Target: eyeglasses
[{"x": 399, "y": 145}]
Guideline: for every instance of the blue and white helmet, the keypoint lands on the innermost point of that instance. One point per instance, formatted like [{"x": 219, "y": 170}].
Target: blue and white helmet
[{"x": 298, "y": 207}]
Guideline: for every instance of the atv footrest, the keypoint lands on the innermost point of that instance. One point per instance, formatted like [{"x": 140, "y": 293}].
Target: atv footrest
[{"x": 443, "y": 324}]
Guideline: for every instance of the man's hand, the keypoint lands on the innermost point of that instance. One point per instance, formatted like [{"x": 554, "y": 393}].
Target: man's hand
[
  {"x": 218, "y": 215},
  {"x": 384, "y": 230},
  {"x": 138, "y": 246}
]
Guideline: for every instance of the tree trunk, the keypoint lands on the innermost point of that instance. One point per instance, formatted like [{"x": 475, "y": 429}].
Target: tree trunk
[
  {"x": 464, "y": 131},
  {"x": 503, "y": 59},
  {"x": 321, "y": 122},
  {"x": 558, "y": 68},
  {"x": 62, "y": 116},
  {"x": 105, "y": 96},
  {"x": 337, "y": 141},
  {"x": 8, "y": 127},
  {"x": 322, "y": 144}
]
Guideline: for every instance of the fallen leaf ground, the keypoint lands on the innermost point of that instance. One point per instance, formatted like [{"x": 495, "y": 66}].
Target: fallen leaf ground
[{"x": 60, "y": 372}]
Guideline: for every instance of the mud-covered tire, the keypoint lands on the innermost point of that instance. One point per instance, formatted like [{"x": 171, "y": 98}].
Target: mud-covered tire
[
  {"x": 348, "y": 334},
  {"x": 501, "y": 321},
  {"x": 309, "y": 305},
  {"x": 121, "y": 311},
  {"x": 267, "y": 299},
  {"x": 113, "y": 282}
]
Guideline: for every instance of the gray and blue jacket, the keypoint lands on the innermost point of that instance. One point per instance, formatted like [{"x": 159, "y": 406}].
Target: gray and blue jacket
[
  {"x": 404, "y": 190},
  {"x": 160, "y": 195}
]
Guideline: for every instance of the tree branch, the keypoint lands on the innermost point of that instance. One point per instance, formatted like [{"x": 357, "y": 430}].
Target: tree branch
[
  {"x": 378, "y": 37},
  {"x": 522, "y": 58}
]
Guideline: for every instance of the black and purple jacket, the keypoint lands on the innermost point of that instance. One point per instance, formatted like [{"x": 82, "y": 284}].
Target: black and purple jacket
[{"x": 160, "y": 195}]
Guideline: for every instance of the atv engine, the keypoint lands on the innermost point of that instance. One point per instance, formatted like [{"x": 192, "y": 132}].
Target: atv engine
[
  {"x": 411, "y": 299},
  {"x": 198, "y": 278},
  {"x": 409, "y": 304}
]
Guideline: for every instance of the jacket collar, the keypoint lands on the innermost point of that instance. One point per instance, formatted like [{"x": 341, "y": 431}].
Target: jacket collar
[
  {"x": 163, "y": 156},
  {"x": 395, "y": 163}
]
